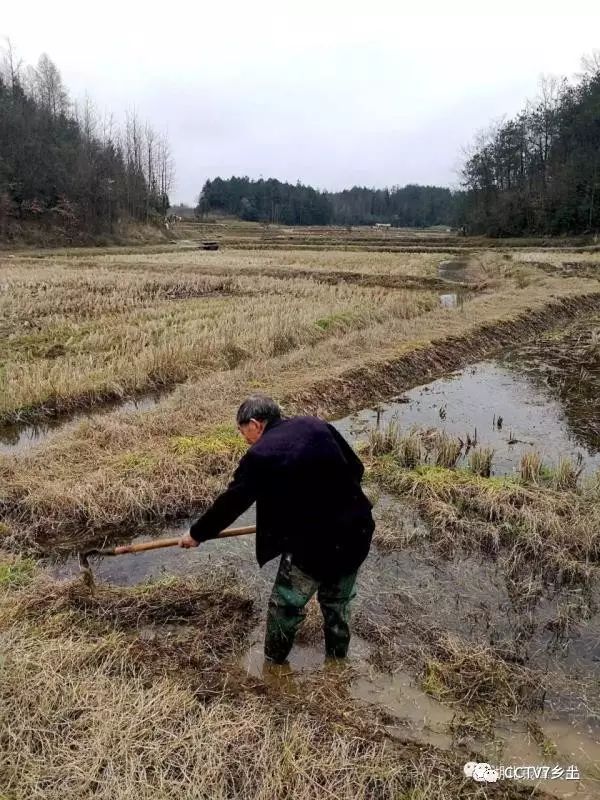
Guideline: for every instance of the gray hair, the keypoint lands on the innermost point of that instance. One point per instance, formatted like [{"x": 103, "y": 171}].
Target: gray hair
[{"x": 259, "y": 407}]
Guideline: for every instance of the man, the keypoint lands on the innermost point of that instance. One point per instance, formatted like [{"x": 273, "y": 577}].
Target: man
[{"x": 310, "y": 509}]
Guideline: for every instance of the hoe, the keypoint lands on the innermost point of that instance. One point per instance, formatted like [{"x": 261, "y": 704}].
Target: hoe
[{"x": 141, "y": 547}]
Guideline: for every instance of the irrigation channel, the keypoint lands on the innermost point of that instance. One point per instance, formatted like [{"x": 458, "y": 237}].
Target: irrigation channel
[
  {"x": 17, "y": 438},
  {"x": 516, "y": 403}
]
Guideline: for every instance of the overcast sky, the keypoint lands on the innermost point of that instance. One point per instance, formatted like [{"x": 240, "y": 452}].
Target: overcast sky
[{"x": 330, "y": 93}]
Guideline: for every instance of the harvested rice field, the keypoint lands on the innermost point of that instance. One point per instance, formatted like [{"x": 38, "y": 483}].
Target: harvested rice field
[{"x": 468, "y": 378}]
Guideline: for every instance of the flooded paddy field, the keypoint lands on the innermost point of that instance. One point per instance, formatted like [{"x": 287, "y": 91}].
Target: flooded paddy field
[
  {"x": 499, "y": 405},
  {"x": 476, "y": 625}
]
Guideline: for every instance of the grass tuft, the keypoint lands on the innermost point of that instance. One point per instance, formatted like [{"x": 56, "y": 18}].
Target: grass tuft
[
  {"x": 140, "y": 463},
  {"x": 480, "y": 461},
  {"x": 531, "y": 467},
  {"x": 384, "y": 439},
  {"x": 540, "y": 527},
  {"x": 446, "y": 449},
  {"x": 17, "y": 573},
  {"x": 566, "y": 475},
  {"x": 476, "y": 676}
]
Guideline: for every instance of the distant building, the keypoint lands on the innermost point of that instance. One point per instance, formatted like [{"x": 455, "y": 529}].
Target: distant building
[{"x": 382, "y": 225}]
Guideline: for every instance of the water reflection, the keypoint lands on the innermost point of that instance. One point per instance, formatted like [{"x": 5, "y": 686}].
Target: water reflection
[
  {"x": 495, "y": 406},
  {"x": 20, "y": 437}
]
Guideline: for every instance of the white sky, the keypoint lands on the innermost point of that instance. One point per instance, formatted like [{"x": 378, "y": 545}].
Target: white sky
[{"x": 331, "y": 93}]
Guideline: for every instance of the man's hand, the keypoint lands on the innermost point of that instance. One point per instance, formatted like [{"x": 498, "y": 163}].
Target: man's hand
[{"x": 188, "y": 541}]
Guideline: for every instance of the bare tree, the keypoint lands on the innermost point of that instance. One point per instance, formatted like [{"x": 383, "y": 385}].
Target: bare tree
[
  {"x": 11, "y": 66},
  {"x": 50, "y": 90},
  {"x": 590, "y": 63},
  {"x": 64, "y": 166}
]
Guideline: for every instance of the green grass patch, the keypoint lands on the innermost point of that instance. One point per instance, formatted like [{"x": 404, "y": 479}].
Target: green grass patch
[
  {"x": 136, "y": 462},
  {"x": 222, "y": 440},
  {"x": 437, "y": 478},
  {"x": 432, "y": 684},
  {"x": 16, "y": 574},
  {"x": 339, "y": 320}
]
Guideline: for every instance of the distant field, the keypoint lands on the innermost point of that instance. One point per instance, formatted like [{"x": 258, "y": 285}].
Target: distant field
[{"x": 252, "y": 235}]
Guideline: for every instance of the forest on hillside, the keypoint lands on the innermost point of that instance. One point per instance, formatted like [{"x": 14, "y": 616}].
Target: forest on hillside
[
  {"x": 539, "y": 173},
  {"x": 63, "y": 170},
  {"x": 295, "y": 204}
]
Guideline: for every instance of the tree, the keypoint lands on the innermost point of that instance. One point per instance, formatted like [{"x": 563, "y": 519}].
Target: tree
[{"x": 50, "y": 92}]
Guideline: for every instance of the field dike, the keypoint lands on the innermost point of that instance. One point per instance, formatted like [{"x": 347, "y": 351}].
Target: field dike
[
  {"x": 366, "y": 279},
  {"x": 379, "y": 380}
]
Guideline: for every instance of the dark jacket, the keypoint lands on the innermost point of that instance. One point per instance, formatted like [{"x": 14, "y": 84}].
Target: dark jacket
[{"x": 305, "y": 479}]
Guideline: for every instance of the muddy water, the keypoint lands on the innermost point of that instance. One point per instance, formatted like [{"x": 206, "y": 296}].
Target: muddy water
[
  {"x": 17, "y": 439},
  {"x": 570, "y": 371},
  {"x": 498, "y": 406},
  {"x": 454, "y": 270},
  {"x": 469, "y": 597}
]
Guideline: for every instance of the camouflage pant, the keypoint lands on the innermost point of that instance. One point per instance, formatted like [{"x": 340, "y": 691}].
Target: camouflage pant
[{"x": 291, "y": 592}]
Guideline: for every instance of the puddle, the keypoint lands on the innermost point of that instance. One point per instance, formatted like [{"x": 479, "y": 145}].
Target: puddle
[
  {"x": 418, "y": 716},
  {"x": 303, "y": 658},
  {"x": 468, "y": 595},
  {"x": 422, "y": 718},
  {"x": 565, "y": 743},
  {"x": 569, "y": 372},
  {"x": 127, "y": 570},
  {"x": 18, "y": 438},
  {"x": 496, "y": 405},
  {"x": 454, "y": 270}
]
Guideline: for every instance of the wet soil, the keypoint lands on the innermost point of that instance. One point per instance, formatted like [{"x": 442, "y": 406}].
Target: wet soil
[
  {"x": 453, "y": 270},
  {"x": 567, "y": 367},
  {"x": 338, "y": 394}
]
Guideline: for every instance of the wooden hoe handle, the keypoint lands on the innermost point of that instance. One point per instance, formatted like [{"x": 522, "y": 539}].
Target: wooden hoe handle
[{"x": 158, "y": 543}]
